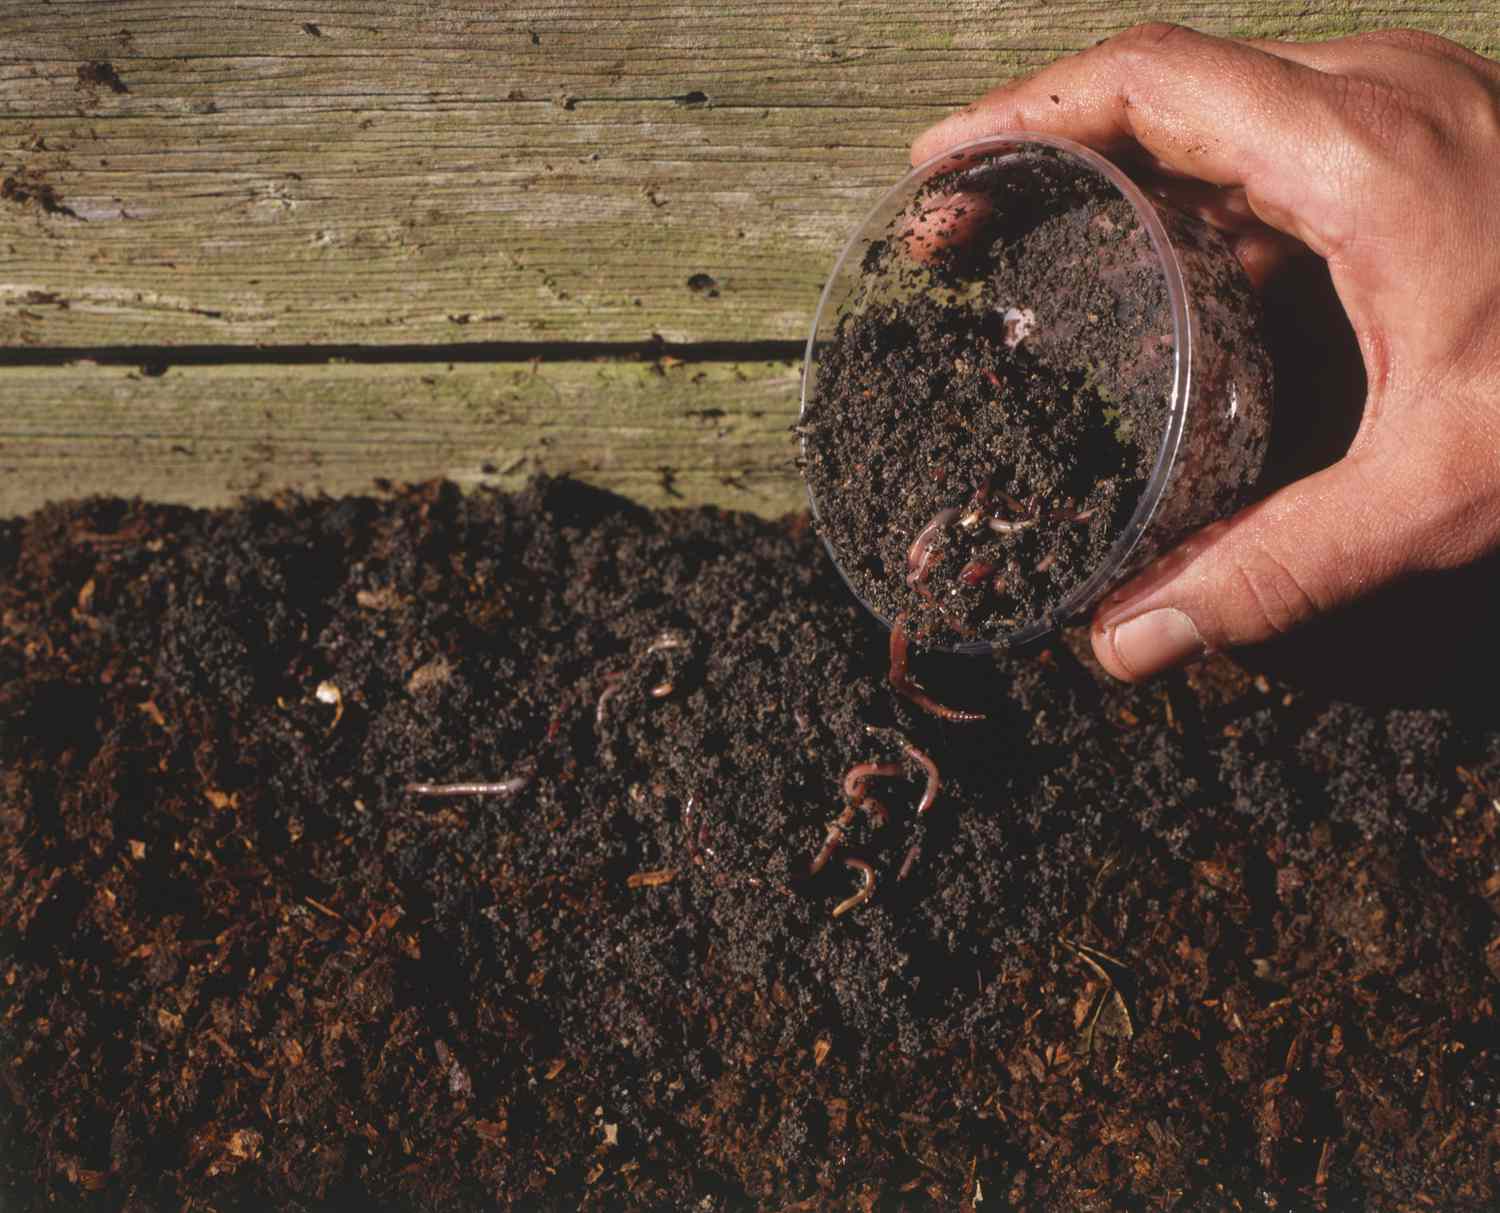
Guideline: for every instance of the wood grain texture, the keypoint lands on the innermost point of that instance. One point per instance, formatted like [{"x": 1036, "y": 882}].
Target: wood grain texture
[
  {"x": 661, "y": 434},
  {"x": 290, "y": 173}
]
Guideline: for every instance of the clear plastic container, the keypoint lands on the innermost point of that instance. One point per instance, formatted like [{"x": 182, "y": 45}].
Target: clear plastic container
[{"x": 1214, "y": 439}]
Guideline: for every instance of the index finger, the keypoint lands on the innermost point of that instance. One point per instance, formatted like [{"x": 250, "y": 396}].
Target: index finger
[{"x": 1203, "y": 107}]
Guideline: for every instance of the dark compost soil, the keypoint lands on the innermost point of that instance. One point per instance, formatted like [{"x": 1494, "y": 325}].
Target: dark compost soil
[
  {"x": 1215, "y": 943},
  {"x": 1012, "y": 397}
]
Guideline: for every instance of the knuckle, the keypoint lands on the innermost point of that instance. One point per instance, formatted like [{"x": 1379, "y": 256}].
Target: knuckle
[
  {"x": 1274, "y": 597},
  {"x": 1481, "y": 115},
  {"x": 1148, "y": 38},
  {"x": 1408, "y": 39},
  {"x": 1373, "y": 111},
  {"x": 1388, "y": 135}
]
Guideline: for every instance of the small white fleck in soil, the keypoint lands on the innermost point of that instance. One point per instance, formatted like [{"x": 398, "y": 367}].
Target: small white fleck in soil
[{"x": 1019, "y": 321}]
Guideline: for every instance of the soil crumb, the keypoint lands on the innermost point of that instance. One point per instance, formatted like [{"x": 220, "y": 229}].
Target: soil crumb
[
  {"x": 100, "y": 73},
  {"x": 1214, "y": 943}
]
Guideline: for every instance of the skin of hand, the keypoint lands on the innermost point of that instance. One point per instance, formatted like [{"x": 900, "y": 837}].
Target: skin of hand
[{"x": 1379, "y": 153}]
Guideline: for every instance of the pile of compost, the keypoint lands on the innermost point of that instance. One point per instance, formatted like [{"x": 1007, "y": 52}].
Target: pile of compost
[{"x": 1225, "y": 941}]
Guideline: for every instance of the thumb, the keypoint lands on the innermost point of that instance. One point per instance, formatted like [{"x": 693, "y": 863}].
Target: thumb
[{"x": 1308, "y": 549}]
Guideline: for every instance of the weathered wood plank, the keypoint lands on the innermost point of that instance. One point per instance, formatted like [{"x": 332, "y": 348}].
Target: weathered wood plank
[
  {"x": 661, "y": 434},
  {"x": 407, "y": 172}
]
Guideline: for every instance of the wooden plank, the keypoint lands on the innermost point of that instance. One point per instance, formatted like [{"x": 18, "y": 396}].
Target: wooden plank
[
  {"x": 383, "y": 172},
  {"x": 203, "y": 435}
]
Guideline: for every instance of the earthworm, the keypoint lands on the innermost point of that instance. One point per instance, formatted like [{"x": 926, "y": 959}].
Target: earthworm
[
  {"x": 611, "y": 685},
  {"x": 865, "y": 892},
  {"x": 667, "y": 640},
  {"x": 505, "y": 787},
  {"x": 933, "y": 782},
  {"x": 876, "y": 810},
  {"x": 919, "y": 555},
  {"x": 836, "y": 830},
  {"x": 975, "y": 572},
  {"x": 854, "y": 781},
  {"x": 1011, "y": 526},
  {"x": 906, "y": 864},
  {"x": 903, "y": 683},
  {"x": 974, "y": 511}
]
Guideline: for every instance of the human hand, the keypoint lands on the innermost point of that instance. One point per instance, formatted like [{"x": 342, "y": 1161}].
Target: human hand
[{"x": 1377, "y": 153}]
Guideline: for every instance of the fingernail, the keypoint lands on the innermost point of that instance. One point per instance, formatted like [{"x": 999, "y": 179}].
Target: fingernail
[{"x": 1156, "y": 640}]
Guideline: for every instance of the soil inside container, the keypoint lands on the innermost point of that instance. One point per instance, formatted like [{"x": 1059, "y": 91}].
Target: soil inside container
[
  {"x": 976, "y": 444},
  {"x": 1218, "y": 942}
]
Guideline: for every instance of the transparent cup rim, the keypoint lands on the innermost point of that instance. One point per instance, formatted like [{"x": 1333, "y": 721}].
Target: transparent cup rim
[{"x": 1091, "y": 589}]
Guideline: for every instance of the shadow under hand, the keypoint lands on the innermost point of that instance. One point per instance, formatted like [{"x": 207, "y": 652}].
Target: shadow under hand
[
  {"x": 1426, "y": 641},
  {"x": 1320, "y": 375}
]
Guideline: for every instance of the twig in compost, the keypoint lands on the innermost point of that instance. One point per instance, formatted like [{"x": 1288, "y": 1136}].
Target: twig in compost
[
  {"x": 503, "y": 787},
  {"x": 1096, "y": 960}
]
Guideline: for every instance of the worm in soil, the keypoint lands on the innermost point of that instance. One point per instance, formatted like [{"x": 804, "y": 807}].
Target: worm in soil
[
  {"x": 854, "y": 788},
  {"x": 836, "y": 830},
  {"x": 1011, "y": 526},
  {"x": 919, "y": 555},
  {"x": 906, "y": 864},
  {"x": 611, "y": 686},
  {"x": 505, "y": 787},
  {"x": 929, "y": 795},
  {"x": 865, "y": 892},
  {"x": 903, "y": 684},
  {"x": 975, "y": 572},
  {"x": 974, "y": 511}
]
